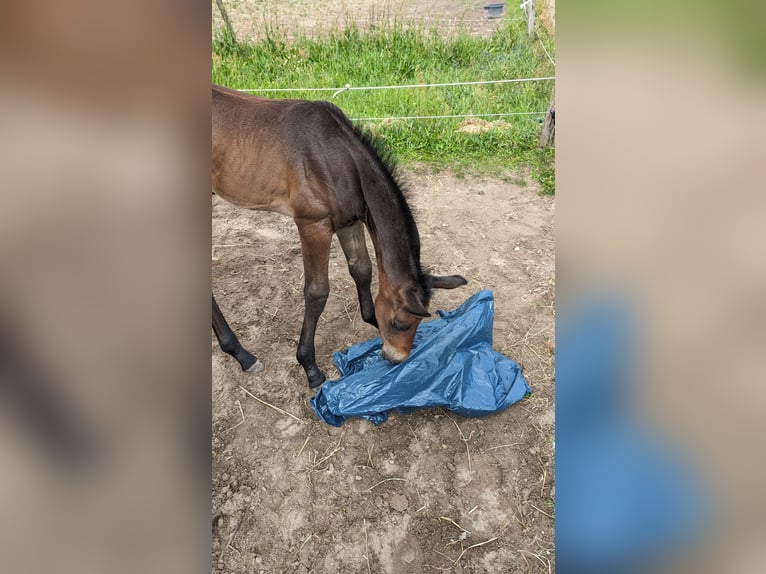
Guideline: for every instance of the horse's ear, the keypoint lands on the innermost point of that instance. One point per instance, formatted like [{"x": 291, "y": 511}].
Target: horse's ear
[
  {"x": 413, "y": 305},
  {"x": 446, "y": 281}
]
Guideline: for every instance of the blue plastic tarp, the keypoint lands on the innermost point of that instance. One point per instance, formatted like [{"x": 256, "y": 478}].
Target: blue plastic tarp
[{"x": 452, "y": 365}]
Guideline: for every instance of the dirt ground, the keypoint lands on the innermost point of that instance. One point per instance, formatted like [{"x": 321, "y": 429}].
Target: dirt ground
[
  {"x": 424, "y": 491},
  {"x": 250, "y": 18}
]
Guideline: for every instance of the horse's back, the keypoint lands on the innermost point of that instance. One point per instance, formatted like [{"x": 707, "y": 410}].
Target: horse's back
[
  {"x": 237, "y": 112},
  {"x": 289, "y": 156}
]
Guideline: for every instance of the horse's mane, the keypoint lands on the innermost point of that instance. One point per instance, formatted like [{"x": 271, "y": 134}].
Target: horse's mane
[{"x": 381, "y": 156}]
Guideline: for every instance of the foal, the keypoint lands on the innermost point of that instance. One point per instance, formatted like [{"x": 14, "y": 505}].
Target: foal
[{"x": 306, "y": 160}]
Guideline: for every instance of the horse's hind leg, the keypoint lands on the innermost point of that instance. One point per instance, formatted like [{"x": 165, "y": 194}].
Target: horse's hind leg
[
  {"x": 359, "y": 266},
  {"x": 315, "y": 246},
  {"x": 231, "y": 345}
]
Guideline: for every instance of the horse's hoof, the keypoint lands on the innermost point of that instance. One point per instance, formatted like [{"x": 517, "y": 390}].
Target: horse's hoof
[
  {"x": 256, "y": 367},
  {"x": 317, "y": 382}
]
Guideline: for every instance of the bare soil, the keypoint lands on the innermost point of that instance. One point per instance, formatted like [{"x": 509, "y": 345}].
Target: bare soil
[
  {"x": 251, "y": 18},
  {"x": 426, "y": 491}
]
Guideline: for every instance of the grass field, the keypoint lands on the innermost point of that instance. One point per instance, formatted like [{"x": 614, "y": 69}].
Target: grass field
[{"x": 395, "y": 54}]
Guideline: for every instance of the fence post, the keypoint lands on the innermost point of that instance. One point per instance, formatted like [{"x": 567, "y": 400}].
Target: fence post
[
  {"x": 226, "y": 20},
  {"x": 549, "y": 126},
  {"x": 529, "y": 10}
]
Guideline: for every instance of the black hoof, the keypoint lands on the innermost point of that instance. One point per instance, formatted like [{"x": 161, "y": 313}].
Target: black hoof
[
  {"x": 317, "y": 381},
  {"x": 247, "y": 360}
]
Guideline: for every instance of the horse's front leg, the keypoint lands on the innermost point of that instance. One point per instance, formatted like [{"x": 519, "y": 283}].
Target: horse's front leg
[
  {"x": 360, "y": 267},
  {"x": 315, "y": 246}
]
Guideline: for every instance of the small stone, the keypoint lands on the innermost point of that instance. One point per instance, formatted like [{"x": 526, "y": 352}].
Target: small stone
[
  {"x": 225, "y": 477},
  {"x": 408, "y": 556},
  {"x": 357, "y": 477},
  {"x": 398, "y": 502},
  {"x": 258, "y": 559}
]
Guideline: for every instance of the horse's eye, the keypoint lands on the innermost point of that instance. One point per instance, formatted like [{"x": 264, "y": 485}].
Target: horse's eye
[{"x": 398, "y": 326}]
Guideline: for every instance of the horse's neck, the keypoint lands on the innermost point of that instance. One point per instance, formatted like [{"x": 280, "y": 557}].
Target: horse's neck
[{"x": 394, "y": 236}]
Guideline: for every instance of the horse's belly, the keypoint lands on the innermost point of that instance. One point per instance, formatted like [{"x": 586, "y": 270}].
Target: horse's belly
[{"x": 276, "y": 203}]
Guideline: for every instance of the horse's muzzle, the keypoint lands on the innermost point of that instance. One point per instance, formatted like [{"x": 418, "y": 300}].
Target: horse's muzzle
[{"x": 392, "y": 355}]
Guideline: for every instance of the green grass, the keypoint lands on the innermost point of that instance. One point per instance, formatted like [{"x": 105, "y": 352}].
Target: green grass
[{"x": 393, "y": 55}]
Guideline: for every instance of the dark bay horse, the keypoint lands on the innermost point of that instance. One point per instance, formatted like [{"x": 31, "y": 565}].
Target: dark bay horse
[{"x": 306, "y": 159}]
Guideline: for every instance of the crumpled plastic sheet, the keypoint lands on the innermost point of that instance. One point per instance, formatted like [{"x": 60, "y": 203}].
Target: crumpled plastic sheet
[{"x": 452, "y": 365}]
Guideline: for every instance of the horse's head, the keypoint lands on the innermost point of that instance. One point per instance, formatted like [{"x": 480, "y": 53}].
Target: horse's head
[{"x": 400, "y": 309}]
